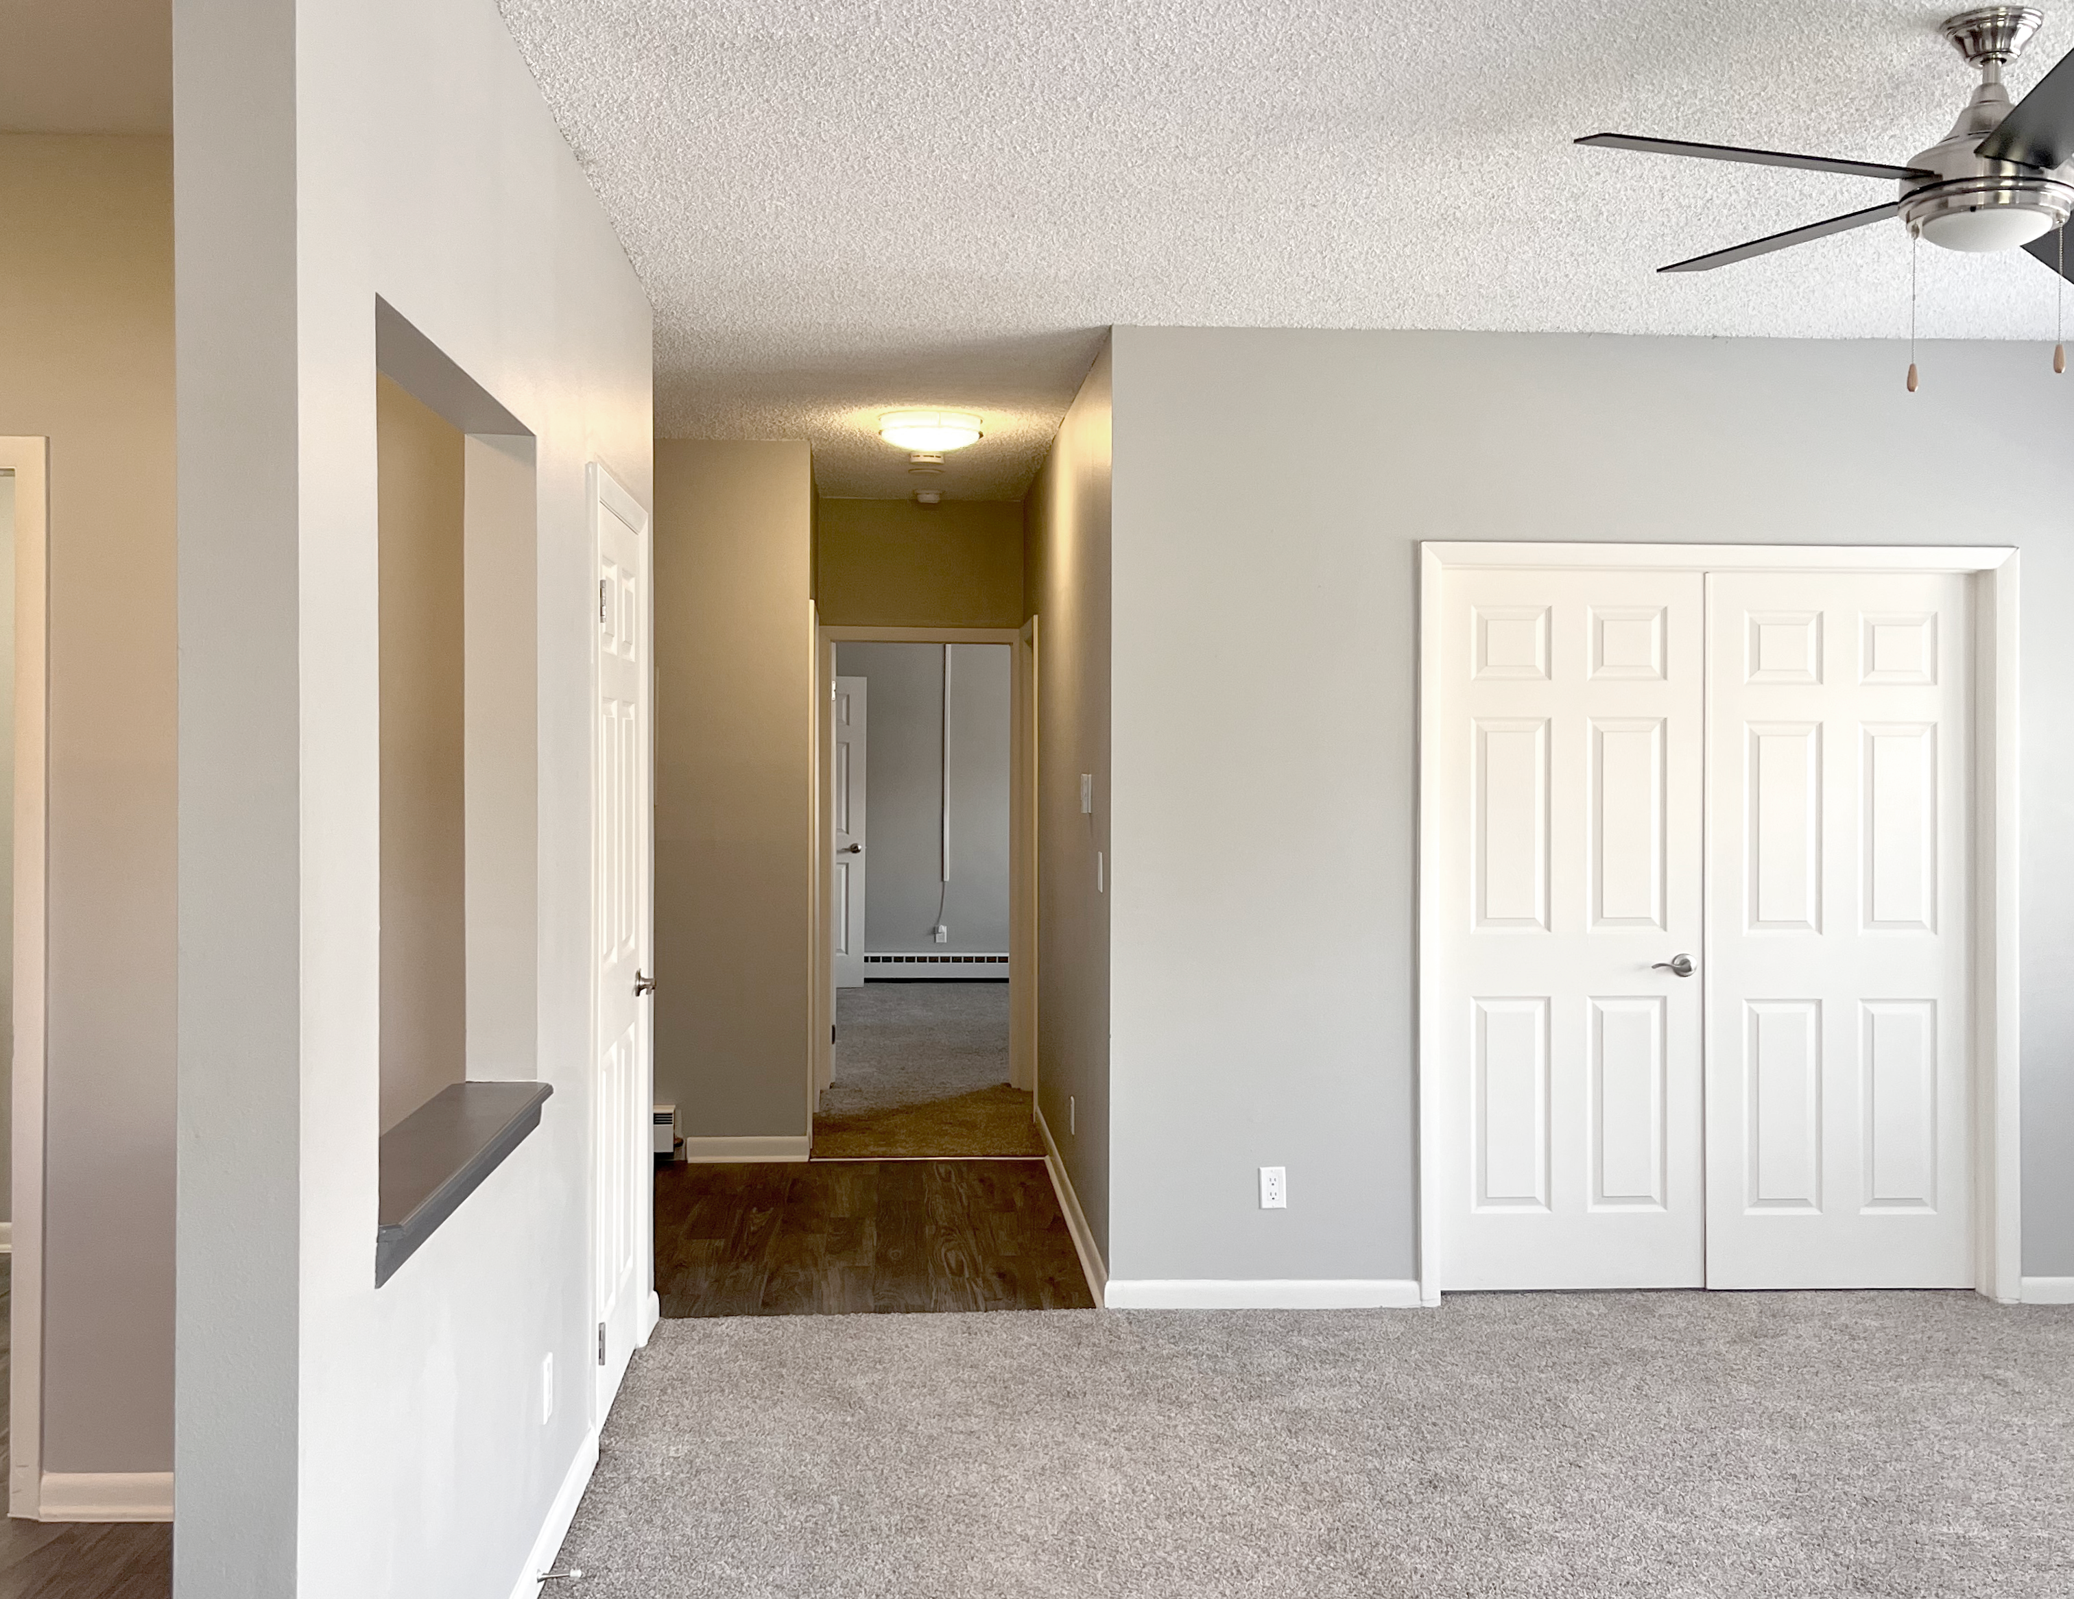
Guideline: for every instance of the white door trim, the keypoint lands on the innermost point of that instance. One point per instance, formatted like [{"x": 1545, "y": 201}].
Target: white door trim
[
  {"x": 1022, "y": 844},
  {"x": 28, "y": 459},
  {"x": 1998, "y": 1257}
]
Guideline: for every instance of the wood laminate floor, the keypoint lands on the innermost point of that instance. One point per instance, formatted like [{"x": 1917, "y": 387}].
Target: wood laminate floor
[
  {"x": 74, "y": 1560},
  {"x": 840, "y": 1237}
]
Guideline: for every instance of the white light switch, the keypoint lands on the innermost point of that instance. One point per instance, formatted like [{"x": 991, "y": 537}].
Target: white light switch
[{"x": 1087, "y": 793}]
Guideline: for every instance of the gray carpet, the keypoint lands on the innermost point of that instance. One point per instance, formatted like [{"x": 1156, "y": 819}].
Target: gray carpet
[
  {"x": 1672, "y": 1444},
  {"x": 921, "y": 1069}
]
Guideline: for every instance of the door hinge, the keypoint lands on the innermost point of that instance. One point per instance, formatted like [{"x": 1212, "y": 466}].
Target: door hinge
[
  {"x": 831, "y": 1032},
  {"x": 604, "y": 586},
  {"x": 601, "y": 1343}
]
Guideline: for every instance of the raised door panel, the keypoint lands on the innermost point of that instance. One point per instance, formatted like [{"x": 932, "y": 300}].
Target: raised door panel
[
  {"x": 1628, "y": 1095},
  {"x": 1511, "y": 824}
]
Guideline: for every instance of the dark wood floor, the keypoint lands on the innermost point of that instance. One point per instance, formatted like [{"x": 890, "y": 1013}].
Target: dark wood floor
[
  {"x": 834, "y": 1237},
  {"x": 60, "y": 1560}
]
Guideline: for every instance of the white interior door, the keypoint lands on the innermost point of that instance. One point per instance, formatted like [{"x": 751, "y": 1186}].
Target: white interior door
[
  {"x": 1571, "y": 745},
  {"x": 847, "y": 809},
  {"x": 1838, "y": 1126},
  {"x": 622, "y": 921}
]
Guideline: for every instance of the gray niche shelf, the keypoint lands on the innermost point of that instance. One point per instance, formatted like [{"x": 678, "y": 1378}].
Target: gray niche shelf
[{"x": 439, "y": 1154}]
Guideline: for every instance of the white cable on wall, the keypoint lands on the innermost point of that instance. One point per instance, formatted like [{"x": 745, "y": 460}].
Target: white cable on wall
[{"x": 944, "y": 796}]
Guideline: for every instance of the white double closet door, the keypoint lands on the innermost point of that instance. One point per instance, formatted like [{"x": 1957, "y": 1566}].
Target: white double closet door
[{"x": 1767, "y": 774}]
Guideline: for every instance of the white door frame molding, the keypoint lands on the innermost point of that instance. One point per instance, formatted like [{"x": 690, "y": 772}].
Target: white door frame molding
[
  {"x": 28, "y": 460},
  {"x": 1996, "y": 1076},
  {"x": 1022, "y": 844}
]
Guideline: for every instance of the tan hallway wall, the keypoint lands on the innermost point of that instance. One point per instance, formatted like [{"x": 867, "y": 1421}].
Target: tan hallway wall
[
  {"x": 86, "y": 357},
  {"x": 734, "y": 802},
  {"x": 424, "y": 839},
  {"x": 893, "y": 563}
]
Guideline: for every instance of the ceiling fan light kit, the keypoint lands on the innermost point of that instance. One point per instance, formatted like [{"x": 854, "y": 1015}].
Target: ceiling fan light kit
[
  {"x": 1979, "y": 201},
  {"x": 1991, "y": 184}
]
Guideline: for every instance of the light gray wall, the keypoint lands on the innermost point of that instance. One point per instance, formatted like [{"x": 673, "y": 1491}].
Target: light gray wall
[
  {"x": 1270, "y": 489},
  {"x": 335, "y": 1439},
  {"x": 1066, "y": 585},
  {"x": 734, "y": 785},
  {"x": 904, "y": 744},
  {"x": 86, "y": 298}
]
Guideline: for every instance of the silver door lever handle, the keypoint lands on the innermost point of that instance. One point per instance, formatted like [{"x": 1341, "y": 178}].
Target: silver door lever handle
[
  {"x": 643, "y": 986},
  {"x": 1677, "y": 966},
  {"x": 851, "y": 849}
]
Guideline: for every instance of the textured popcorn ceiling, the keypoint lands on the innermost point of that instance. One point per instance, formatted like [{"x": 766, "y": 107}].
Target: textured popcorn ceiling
[{"x": 842, "y": 206}]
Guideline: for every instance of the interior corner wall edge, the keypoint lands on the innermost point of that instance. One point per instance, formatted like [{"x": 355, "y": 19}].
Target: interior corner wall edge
[
  {"x": 1271, "y": 487},
  {"x": 734, "y": 799},
  {"x": 336, "y": 1439},
  {"x": 1067, "y": 586},
  {"x": 86, "y": 302}
]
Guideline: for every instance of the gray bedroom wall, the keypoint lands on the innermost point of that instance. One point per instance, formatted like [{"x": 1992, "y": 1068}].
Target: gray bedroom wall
[
  {"x": 1271, "y": 487},
  {"x": 1066, "y": 586},
  {"x": 903, "y": 795}
]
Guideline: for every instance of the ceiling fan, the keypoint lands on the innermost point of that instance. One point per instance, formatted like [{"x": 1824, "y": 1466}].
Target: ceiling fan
[{"x": 1990, "y": 184}]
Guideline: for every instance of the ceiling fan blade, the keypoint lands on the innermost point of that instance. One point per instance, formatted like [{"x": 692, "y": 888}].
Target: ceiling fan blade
[
  {"x": 1761, "y": 158},
  {"x": 2050, "y": 250},
  {"x": 1782, "y": 241},
  {"x": 2040, "y": 131}
]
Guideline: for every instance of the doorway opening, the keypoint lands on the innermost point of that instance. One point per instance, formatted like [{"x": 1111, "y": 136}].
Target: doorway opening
[{"x": 920, "y": 923}]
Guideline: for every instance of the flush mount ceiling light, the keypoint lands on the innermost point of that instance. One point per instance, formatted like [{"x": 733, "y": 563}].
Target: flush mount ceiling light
[{"x": 931, "y": 431}]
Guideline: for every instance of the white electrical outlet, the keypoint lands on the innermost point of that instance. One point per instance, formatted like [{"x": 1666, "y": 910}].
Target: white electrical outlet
[
  {"x": 1087, "y": 793},
  {"x": 1274, "y": 1188},
  {"x": 1069, "y": 1113},
  {"x": 1101, "y": 873},
  {"x": 940, "y": 933},
  {"x": 547, "y": 1388}
]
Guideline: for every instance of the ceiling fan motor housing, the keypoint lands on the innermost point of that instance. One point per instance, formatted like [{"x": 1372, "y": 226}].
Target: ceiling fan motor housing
[{"x": 1976, "y": 203}]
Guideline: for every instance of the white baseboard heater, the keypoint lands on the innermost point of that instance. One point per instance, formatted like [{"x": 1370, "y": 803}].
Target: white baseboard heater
[{"x": 936, "y": 968}]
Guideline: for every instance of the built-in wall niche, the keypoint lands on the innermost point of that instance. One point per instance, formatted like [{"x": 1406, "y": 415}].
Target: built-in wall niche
[{"x": 457, "y": 550}]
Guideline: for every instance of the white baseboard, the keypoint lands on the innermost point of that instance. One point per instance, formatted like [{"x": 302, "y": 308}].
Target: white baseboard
[
  {"x": 105, "y": 1496},
  {"x": 712, "y": 1151},
  {"x": 559, "y": 1515},
  {"x": 1091, "y": 1262},
  {"x": 651, "y": 1313},
  {"x": 1264, "y": 1293},
  {"x": 2047, "y": 1291}
]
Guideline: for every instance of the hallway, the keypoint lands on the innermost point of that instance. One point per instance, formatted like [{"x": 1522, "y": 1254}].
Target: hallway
[{"x": 841, "y": 1236}]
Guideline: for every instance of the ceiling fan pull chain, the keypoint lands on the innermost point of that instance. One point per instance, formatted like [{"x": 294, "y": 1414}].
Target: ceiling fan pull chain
[
  {"x": 2059, "y": 304},
  {"x": 1915, "y": 240}
]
